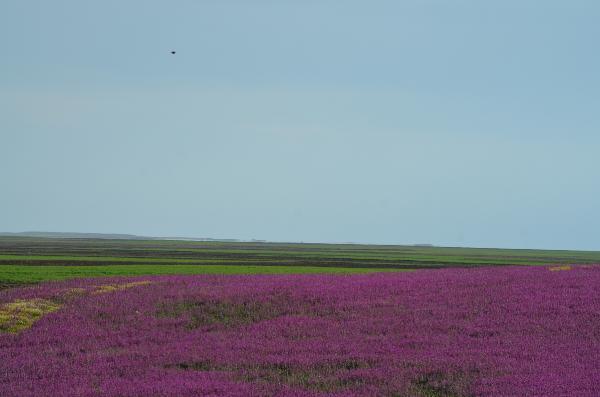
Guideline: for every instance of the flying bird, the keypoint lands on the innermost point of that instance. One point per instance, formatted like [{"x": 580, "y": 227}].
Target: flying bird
[{"x": 173, "y": 52}]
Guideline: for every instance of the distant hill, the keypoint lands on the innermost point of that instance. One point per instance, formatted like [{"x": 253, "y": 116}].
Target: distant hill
[
  {"x": 106, "y": 236},
  {"x": 77, "y": 235}
]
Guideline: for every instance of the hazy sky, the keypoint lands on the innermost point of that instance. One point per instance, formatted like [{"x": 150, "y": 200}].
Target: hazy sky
[{"x": 455, "y": 122}]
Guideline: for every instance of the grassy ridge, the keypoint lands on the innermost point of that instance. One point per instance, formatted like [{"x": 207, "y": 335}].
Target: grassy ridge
[
  {"x": 321, "y": 258},
  {"x": 31, "y": 259},
  {"x": 52, "y": 250}
]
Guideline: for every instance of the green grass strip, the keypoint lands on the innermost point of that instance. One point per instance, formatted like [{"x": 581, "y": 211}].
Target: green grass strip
[{"x": 13, "y": 274}]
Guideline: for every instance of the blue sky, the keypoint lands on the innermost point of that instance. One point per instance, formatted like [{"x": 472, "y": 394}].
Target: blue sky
[{"x": 447, "y": 122}]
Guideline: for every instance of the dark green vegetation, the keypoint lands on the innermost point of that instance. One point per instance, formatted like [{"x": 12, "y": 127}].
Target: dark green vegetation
[{"x": 31, "y": 259}]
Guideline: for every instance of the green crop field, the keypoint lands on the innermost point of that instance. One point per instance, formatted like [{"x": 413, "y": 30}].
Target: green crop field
[{"x": 32, "y": 259}]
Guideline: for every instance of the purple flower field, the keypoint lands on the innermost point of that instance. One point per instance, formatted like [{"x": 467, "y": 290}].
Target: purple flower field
[{"x": 518, "y": 331}]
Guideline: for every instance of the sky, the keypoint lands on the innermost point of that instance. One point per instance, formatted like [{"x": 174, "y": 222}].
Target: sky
[{"x": 449, "y": 122}]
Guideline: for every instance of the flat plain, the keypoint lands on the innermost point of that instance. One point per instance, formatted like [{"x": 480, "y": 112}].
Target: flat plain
[{"x": 98, "y": 317}]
